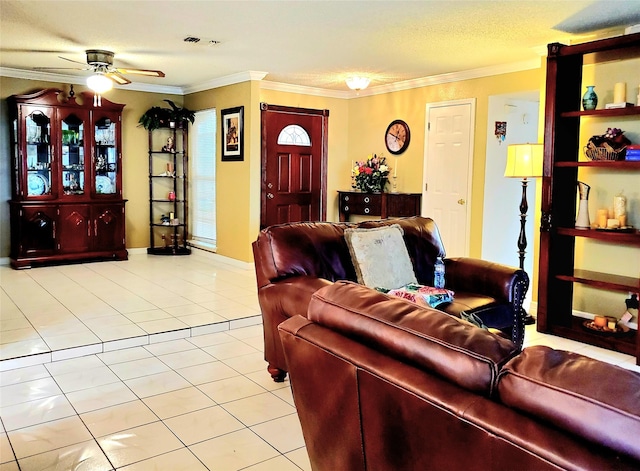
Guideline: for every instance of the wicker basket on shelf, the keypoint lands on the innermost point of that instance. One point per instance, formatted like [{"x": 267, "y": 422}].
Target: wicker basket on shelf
[
  {"x": 604, "y": 153},
  {"x": 611, "y": 145}
]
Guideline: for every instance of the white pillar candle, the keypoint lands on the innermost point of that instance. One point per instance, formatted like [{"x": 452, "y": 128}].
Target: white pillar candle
[
  {"x": 619, "y": 206},
  {"x": 395, "y": 168},
  {"x": 620, "y": 92}
]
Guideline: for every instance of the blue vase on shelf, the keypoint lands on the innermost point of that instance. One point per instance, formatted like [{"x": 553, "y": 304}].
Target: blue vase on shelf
[{"x": 589, "y": 99}]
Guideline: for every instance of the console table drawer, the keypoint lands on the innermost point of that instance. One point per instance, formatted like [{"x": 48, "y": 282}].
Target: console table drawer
[
  {"x": 361, "y": 203},
  {"x": 383, "y": 205}
]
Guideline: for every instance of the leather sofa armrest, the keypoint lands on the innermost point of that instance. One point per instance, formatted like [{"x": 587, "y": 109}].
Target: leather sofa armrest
[
  {"x": 279, "y": 301},
  {"x": 587, "y": 397},
  {"x": 501, "y": 282},
  {"x": 505, "y": 284}
]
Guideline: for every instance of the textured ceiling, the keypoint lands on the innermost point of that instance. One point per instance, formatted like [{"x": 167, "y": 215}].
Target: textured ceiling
[{"x": 311, "y": 43}]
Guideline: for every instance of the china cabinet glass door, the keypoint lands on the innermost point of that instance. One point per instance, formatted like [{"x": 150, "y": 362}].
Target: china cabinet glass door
[
  {"x": 73, "y": 159},
  {"x": 106, "y": 156},
  {"x": 38, "y": 153}
]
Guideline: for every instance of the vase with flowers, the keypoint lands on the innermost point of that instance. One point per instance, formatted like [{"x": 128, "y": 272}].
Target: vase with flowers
[{"x": 371, "y": 175}]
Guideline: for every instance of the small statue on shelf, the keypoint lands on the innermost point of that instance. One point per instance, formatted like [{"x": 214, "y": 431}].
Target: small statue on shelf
[{"x": 170, "y": 147}]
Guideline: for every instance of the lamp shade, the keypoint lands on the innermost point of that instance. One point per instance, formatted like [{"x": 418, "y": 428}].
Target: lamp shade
[
  {"x": 357, "y": 83},
  {"x": 99, "y": 83},
  {"x": 524, "y": 160}
]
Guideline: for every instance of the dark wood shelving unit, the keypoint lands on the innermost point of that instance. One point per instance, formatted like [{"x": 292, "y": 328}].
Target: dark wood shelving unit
[
  {"x": 603, "y": 280},
  {"x": 562, "y": 160},
  {"x": 626, "y": 238}
]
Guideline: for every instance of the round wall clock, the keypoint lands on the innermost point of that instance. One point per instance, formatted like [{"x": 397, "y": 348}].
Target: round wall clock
[{"x": 397, "y": 137}]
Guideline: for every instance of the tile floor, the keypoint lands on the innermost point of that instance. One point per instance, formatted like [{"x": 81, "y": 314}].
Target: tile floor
[{"x": 153, "y": 363}]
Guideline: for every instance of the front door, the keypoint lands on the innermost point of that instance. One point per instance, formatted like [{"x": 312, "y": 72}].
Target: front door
[
  {"x": 447, "y": 177},
  {"x": 294, "y": 165}
]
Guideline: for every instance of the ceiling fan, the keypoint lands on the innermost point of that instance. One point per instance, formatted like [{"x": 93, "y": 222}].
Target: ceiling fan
[{"x": 100, "y": 62}]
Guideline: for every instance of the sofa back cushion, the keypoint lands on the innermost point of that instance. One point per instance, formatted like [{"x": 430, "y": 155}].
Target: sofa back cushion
[
  {"x": 319, "y": 249},
  {"x": 593, "y": 399},
  {"x": 449, "y": 347},
  {"x": 307, "y": 248}
]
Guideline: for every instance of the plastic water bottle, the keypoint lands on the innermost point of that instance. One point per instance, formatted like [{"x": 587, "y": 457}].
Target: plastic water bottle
[{"x": 438, "y": 273}]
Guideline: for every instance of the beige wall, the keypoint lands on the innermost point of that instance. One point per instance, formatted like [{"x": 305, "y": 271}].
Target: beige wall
[
  {"x": 356, "y": 129},
  {"x": 237, "y": 183},
  {"x": 370, "y": 116}
]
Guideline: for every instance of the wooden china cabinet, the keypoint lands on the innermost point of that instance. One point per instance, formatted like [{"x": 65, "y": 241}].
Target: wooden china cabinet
[
  {"x": 565, "y": 164},
  {"x": 67, "y": 179}
]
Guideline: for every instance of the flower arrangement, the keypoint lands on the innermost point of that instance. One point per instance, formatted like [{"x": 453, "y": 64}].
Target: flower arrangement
[
  {"x": 370, "y": 175},
  {"x": 609, "y": 146}
]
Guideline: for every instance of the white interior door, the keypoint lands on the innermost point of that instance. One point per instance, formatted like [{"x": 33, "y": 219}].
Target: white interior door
[{"x": 447, "y": 171}]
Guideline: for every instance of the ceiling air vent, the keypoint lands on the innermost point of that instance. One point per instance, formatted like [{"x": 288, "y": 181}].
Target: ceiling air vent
[{"x": 191, "y": 39}]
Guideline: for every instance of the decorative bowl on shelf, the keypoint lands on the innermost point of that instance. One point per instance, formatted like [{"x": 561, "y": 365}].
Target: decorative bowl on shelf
[{"x": 620, "y": 329}]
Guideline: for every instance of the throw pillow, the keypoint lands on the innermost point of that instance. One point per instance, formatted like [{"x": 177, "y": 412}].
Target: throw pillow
[
  {"x": 422, "y": 295},
  {"x": 380, "y": 256}
]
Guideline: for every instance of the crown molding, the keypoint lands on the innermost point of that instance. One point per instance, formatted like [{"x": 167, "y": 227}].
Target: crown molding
[
  {"x": 304, "y": 90},
  {"x": 286, "y": 87},
  {"x": 406, "y": 84},
  {"x": 224, "y": 81},
  {"x": 78, "y": 80},
  {"x": 452, "y": 77}
]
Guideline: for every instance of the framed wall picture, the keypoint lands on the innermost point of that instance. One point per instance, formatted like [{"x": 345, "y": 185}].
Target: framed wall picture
[{"x": 233, "y": 134}]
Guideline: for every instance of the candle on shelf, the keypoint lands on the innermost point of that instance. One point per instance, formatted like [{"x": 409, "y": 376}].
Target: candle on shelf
[
  {"x": 613, "y": 224},
  {"x": 603, "y": 215},
  {"x": 395, "y": 168},
  {"x": 620, "y": 92},
  {"x": 620, "y": 209}
]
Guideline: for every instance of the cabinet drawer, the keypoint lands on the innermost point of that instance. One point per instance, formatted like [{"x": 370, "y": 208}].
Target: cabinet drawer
[{"x": 361, "y": 203}]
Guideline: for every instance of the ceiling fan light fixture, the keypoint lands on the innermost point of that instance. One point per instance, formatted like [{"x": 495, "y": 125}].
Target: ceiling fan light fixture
[
  {"x": 99, "y": 83},
  {"x": 357, "y": 83}
]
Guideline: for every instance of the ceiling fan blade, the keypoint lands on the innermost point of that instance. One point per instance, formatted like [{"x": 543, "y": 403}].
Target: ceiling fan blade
[
  {"x": 148, "y": 73},
  {"x": 58, "y": 68},
  {"x": 117, "y": 78},
  {"x": 71, "y": 60}
]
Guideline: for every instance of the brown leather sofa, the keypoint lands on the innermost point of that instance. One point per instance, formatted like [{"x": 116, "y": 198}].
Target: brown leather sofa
[
  {"x": 383, "y": 384},
  {"x": 292, "y": 261}
]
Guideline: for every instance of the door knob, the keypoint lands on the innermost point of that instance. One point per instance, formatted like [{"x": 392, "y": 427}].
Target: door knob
[
  {"x": 269, "y": 185},
  {"x": 461, "y": 201},
  {"x": 270, "y": 196}
]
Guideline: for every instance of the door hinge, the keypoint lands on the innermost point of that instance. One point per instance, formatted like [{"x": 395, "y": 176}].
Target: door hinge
[
  {"x": 429, "y": 126},
  {"x": 426, "y": 186}
]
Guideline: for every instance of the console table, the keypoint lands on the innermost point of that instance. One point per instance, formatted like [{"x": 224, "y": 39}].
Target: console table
[{"x": 383, "y": 205}]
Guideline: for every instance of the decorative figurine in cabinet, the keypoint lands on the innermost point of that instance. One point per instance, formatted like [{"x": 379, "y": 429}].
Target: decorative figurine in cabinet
[{"x": 66, "y": 200}]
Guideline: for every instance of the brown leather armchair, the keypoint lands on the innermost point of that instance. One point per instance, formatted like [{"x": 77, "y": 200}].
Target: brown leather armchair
[{"x": 293, "y": 261}]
